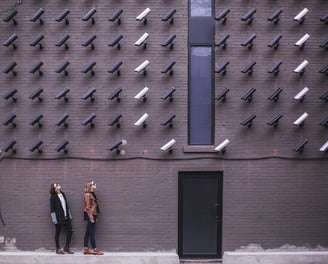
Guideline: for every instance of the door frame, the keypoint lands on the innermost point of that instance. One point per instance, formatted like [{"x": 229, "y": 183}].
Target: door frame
[{"x": 197, "y": 174}]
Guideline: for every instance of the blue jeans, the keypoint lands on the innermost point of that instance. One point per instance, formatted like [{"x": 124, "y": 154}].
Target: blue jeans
[{"x": 90, "y": 233}]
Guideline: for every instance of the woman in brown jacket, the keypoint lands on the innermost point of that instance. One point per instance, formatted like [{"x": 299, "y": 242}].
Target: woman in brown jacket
[{"x": 91, "y": 212}]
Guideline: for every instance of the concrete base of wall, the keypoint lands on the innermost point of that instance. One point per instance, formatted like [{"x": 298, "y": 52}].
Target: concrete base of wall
[
  {"x": 299, "y": 257},
  {"x": 23, "y": 257}
]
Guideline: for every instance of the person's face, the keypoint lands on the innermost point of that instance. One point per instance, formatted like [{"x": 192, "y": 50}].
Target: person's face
[
  {"x": 93, "y": 185},
  {"x": 57, "y": 187}
]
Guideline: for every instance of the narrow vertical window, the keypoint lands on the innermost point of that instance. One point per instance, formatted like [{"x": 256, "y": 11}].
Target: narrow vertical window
[
  {"x": 200, "y": 96},
  {"x": 200, "y": 7}
]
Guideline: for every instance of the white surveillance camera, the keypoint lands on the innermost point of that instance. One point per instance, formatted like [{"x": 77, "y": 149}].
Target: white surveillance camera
[
  {"x": 141, "y": 120},
  {"x": 299, "y": 121},
  {"x": 168, "y": 146},
  {"x": 143, "y": 15},
  {"x": 142, "y": 39},
  {"x": 301, "y": 94},
  {"x": 300, "y": 16},
  {"x": 142, "y": 66},
  {"x": 142, "y": 93},
  {"x": 222, "y": 146},
  {"x": 300, "y": 68},
  {"x": 301, "y": 42},
  {"x": 324, "y": 147}
]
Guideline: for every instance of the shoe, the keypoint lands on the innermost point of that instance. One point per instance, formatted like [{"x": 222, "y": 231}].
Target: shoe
[
  {"x": 59, "y": 251},
  {"x": 86, "y": 251},
  {"x": 67, "y": 250},
  {"x": 96, "y": 251}
]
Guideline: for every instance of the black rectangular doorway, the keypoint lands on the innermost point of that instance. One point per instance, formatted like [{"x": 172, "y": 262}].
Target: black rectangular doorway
[{"x": 200, "y": 214}]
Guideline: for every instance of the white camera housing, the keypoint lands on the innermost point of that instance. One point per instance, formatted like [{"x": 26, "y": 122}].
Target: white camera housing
[
  {"x": 300, "y": 15},
  {"x": 143, "y": 15},
  {"x": 302, "y": 40},
  {"x": 142, "y": 93},
  {"x": 142, "y": 39},
  {"x": 324, "y": 147},
  {"x": 301, "y": 94},
  {"x": 141, "y": 120},
  {"x": 142, "y": 66},
  {"x": 299, "y": 121},
  {"x": 300, "y": 68},
  {"x": 168, "y": 146},
  {"x": 222, "y": 146}
]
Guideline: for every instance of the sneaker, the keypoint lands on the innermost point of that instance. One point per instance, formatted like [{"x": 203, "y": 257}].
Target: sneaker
[
  {"x": 67, "y": 250},
  {"x": 59, "y": 251},
  {"x": 86, "y": 251},
  {"x": 96, "y": 251}
]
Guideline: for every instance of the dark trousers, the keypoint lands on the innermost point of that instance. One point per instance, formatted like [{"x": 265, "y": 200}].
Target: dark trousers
[
  {"x": 69, "y": 232},
  {"x": 90, "y": 233}
]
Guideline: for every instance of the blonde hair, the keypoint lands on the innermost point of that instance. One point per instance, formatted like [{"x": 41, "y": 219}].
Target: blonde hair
[{"x": 88, "y": 186}]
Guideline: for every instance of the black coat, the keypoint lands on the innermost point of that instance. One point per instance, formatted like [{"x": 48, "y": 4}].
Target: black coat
[{"x": 57, "y": 209}]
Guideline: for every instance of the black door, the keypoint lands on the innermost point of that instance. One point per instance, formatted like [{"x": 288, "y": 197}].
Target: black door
[{"x": 200, "y": 214}]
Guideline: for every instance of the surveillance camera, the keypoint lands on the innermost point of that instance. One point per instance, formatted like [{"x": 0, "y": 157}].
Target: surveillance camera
[
  {"x": 324, "y": 69},
  {"x": 324, "y": 19},
  {"x": 36, "y": 68},
  {"x": 324, "y": 122},
  {"x": 275, "y": 68},
  {"x": 36, "y": 120},
  {"x": 249, "y": 95},
  {"x": 37, "y": 146},
  {"x": 62, "y": 120},
  {"x": 63, "y": 15},
  {"x": 11, "y": 94},
  {"x": 115, "y": 67},
  {"x": 37, "y": 16},
  {"x": 248, "y": 121},
  {"x": 169, "y": 41},
  {"x": 300, "y": 96},
  {"x": 116, "y": 94},
  {"x": 300, "y": 146},
  {"x": 116, "y": 146},
  {"x": 89, "y": 94},
  {"x": 89, "y": 120},
  {"x": 300, "y": 121},
  {"x": 275, "y": 42},
  {"x": 142, "y": 94},
  {"x": 168, "y": 120},
  {"x": 36, "y": 94},
  {"x": 10, "y": 146},
  {"x": 168, "y": 146},
  {"x": 141, "y": 40},
  {"x": 275, "y": 16},
  {"x": 301, "y": 42},
  {"x": 222, "y": 41},
  {"x": 89, "y": 41},
  {"x": 10, "y": 41},
  {"x": 221, "y": 147},
  {"x": 324, "y": 44},
  {"x": 143, "y": 15},
  {"x": 62, "y": 146},
  {"x": 169, "y": 94},
  {"x": 10, "y": 68},
  {"x": 116, "y": 16},
  {"x": 275, "y": 96},
  {"x": 168, "y": 67},
  {"x": 89, "y": 67},
  {"x": 89, "y": 15},
  {"x": 10, "y": 120},
  {"x": 115, "y": 120},
  {"x": 223, "y": 15},
  {"x": 248, "y": 17},
  {"x": 142, "y": 120},
  {"x": 301, "y": 68},
  {"x": 324, "y": 97},
  {"x": 222, "y": 95},
  {"x": 223, "y": 68},
  {"x": 115, "y": 41},
  {"x": 275, "y": 120},
  {"x": 169, "y": 16},
  {"x": 249, "y": 68},
  {"x": 37, "y": 41},
  {"x": 142, "y": 67},
  {"x": 249, "y": 41},
  {"x": 11, "y": 16},
  {"x": 300, "y": 17},
  {"x": 63, "y": 94},
  {"x": 324, "y": 147},
  {"x": 62, "y": 67},
  {"x": 63, "y": 41}
]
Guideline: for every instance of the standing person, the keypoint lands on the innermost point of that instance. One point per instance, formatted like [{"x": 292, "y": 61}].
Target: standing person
[
  {"x": 91, "y": 212},
  {"x": 61, "y": 217}
]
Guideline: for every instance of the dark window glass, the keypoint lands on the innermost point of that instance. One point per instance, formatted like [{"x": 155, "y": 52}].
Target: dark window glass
[
  {"x": 200, "y": 96},
  {"x": 200, "y": 7}
]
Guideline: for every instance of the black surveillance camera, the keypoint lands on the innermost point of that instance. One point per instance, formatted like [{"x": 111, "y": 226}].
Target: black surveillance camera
[
  {"x": 116, "y": 16},
  {"x": 222, "y": 95},
  {"x": 169, "y": 16},
  {"x": 37, "y": 146},
  {"x": 62, "y": 120},
  {"x": 63, "y": 94},
  {"x": 63, "y": 15},
  {"x": 249, "y": 68},
  {"x": 62, "y": 41},
  {"x": 36, "y": 68},
  {"x": 248, "y": 121},
  {"x": 275, "y": 120},
  {"x": 115, "y": 41},
  {"x": 275, "y": 96},
  {"x": 89, "y": 15},
  {"x": 10, "y": 41},
  {"x": 115, "y": 120},
  {"x": 169, "y": 94},
  {"x": 89, "y": 67},
  {"x": 62, "y": 146},
  {"x": 249, "y": 95},
  {"x": 168, "y": 120},
  {"x": 10, "y": 146},
  {"x": 10, "y": 68},
  {"x": 116, "y": 94},
  {"x": 89, "y": 120},
  {"x": 36, "y": 120},
  {"x": 37, "y": 16},
  {"x": 36, "y": 94},
  {"x": 63, "y": 67},
  {"x": 11, "y": 94},
  {"x": 37, "y": 41},
  {"x": 10, "y": 120},
  {"x": 168, "y": 68},
  {"x": 89, "y": 94}
]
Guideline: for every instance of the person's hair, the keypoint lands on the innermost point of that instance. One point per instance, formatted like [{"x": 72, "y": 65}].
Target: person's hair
[
  {"x": 88, "y": 186},
  {"x": 52, "y": 189}
]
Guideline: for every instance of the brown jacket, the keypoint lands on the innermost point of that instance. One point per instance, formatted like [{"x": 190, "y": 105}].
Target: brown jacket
[{"x": 90, "y": 205}]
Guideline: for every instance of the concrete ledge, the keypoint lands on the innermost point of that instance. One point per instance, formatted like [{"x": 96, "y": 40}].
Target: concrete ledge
[
  {"x": 297, "y": 257},
  {"x": 23, "y": 257}
]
